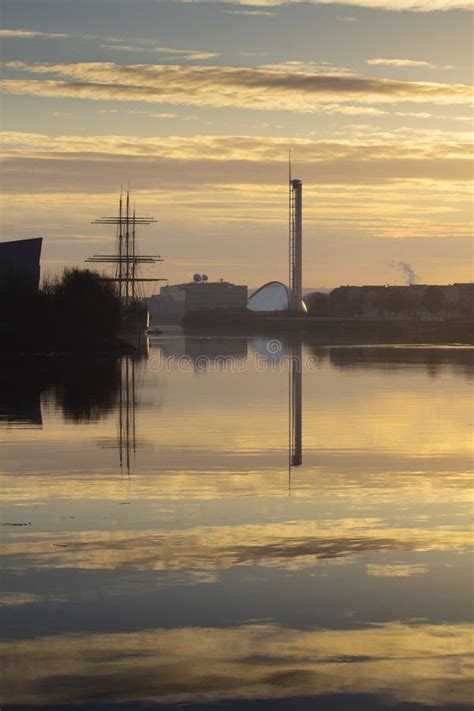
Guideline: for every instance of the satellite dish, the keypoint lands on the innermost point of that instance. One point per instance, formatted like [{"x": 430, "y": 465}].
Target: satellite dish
[
  {"x": 197, "y": 278},
  {"x": 205, "y": 277}
]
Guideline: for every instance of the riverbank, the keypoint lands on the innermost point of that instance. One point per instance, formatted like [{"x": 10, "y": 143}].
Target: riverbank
[{"x": 329, "y": 331}]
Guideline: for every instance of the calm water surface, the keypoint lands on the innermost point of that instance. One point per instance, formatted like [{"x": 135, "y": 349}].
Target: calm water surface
[{"x": 159, "y": 552}]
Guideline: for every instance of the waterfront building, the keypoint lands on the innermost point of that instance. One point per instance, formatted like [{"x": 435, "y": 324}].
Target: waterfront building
[
  {"x": 177, "y": 300},
  {"x": 21, "y": 258}
]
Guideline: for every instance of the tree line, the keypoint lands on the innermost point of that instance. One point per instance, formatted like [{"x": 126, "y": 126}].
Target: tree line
[{"x": 74, "y": 312}]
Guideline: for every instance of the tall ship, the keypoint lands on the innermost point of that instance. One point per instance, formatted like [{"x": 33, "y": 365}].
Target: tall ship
[{"x": 127, "y": 263}]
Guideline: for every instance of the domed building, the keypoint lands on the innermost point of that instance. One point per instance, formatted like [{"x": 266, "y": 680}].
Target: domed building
[{"x": 273, "y": 296}]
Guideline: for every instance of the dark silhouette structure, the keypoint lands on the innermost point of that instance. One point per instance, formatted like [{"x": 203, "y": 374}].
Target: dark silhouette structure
[{"x": 20, "y": 259}]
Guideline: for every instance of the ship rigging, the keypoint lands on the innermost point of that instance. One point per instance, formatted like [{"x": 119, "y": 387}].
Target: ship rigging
[{"x": 127, "y": 260}]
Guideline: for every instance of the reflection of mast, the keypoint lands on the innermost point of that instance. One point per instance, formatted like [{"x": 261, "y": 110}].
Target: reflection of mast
[
  {"x": 127, "y": 413},
  {"x": 295, "y": 409},
  {"x": 125, "y": 403}
]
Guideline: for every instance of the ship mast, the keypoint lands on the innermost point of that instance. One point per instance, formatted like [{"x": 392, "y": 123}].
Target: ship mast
[{"x": 126, "y": 260}]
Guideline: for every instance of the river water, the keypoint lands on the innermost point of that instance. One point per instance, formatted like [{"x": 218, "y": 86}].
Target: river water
[{"x": 160, "y": 550}]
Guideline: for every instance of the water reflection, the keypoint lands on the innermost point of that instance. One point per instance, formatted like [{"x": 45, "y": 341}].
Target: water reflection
[
  {"x": 296, "y": 404},
  {"x": 83, "y": 390},
  {"x": 433, "y": 359},
  {"x": 20, "y": 395},
  {"x": 401, "y": 663},
  {"x": 126, "y": 412},
  {"x": 197, "y": 580},
  {"x": 208, "y": 352}
]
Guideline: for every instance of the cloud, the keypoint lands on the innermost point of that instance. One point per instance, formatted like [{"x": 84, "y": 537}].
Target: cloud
[
  {"x": 164, "y": 115},
  {"x": 408, "y": 186},
  {"x": 189, "y": 54},
  {"x": 33, "y": 34},
  {"x": 309, "y": 67},
  {"x": 38, "y": 162},
  {"x": 244, "y": 175},
  {"x": 396, "y": 5},
  {"x": 252, "y": 13},
  {"x": 146, "y": 45},
  {"x": 18, "y": 599},
  {"x": 381, "y": 184},
  {"x": 242, "y": 149},
  {"x": 161, "y": 115},
  {"x": 281, "y": 88},
  {"x": 407, "y": 63},
  {"x": 348, "y": 110},
  {"x": 27, "y": 34},
  {"x": 396, "y": 570}
]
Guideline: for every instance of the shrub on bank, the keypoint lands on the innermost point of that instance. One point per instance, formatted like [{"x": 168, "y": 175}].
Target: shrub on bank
[{"x": 75, "y": 312}]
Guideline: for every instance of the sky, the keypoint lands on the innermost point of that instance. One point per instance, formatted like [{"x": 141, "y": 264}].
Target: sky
[{"x": 196, "y": 104}]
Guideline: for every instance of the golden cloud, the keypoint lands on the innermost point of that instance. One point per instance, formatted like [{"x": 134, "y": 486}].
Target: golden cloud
[
  {"x": 261, "y": 149},
  {"x": 396, "y": 570},
  {"x": 406, "y": 63},
  {"x": 30, "y": 34},
  {"x": 396, "y": 5},
  {"x": 220, "y": 86},
  {"x": 190, "y": 54},
  {"x": 39, "y": 163},
  {"x": 17, "y": 599}
]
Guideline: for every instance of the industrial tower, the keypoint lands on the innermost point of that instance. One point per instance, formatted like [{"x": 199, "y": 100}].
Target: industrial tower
[{"x": 295, "y": 243}]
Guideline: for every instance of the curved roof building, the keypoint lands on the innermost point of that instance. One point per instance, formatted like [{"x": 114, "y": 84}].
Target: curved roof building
[{"x": 273, "y": 296}]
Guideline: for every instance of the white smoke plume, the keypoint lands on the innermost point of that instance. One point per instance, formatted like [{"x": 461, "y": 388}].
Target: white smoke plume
[{"x": 406, "y": 270}]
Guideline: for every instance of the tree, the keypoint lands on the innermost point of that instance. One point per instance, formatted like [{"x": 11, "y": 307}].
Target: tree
[
  {"x": 86, "y": 308},
  {"x": 78, "y": 311}
]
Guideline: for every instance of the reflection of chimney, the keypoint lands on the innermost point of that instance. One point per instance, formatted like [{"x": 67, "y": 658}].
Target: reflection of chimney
[
  {"x": 296, "y": 401},
  {"x": 296, "y": 245}
]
